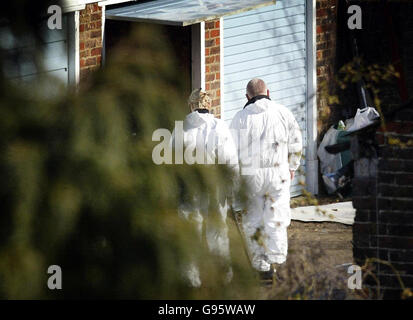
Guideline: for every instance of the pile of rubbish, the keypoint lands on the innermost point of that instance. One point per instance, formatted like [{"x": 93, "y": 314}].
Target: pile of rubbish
[{"x": 337, "y": 167}]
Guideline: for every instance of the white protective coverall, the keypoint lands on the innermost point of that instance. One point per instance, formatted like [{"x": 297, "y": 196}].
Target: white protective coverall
[
  {"x": 269, "y": 145},
  {"x": 203, "y": 131}
]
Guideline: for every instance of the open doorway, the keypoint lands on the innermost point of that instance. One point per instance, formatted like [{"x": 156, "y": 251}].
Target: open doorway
[{"x": 179, "y": 39}]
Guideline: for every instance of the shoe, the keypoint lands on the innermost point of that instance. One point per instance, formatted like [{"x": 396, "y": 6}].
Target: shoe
[
  {"x": 266, "y": 276},
  {"x": 228, "y": 276},
  {"x": 331, "y": 182}
]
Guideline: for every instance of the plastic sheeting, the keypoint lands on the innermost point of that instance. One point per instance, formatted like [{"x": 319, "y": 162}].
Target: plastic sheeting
[
  {"x": 341, "y": 212},
  {"x": 329, "y": 163}
]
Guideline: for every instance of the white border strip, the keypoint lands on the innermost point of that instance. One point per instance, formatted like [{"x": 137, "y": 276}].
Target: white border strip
[
  {"x": 221, "y": 65},
  {"x": 311, "y": 47},
  {"x": 198, "y": 56},
  {"x": 103, "y": 54},
  {"x": 202, "y": 48},
  {"x": 77, "y": 49}
]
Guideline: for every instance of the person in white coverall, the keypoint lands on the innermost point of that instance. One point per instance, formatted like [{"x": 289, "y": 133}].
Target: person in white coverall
[
  {"x": 269, "y": 146},
  {"x": 203, "y": 131}
]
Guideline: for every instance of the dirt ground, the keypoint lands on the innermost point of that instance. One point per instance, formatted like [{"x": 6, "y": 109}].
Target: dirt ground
[
  {"x": 318, "y": 258},
  {"x": 316, "y": 268},
  {"x": 319, "y": 255},
  {"x": 334, "y": 239}
]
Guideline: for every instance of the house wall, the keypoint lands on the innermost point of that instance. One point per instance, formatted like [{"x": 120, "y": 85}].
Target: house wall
[
  {"x": 326, "y": 29},
  {"x": 90, "y": 50},
  {"x": 213, "y": 63},
  {"x": 383, "y": 189},
  {"x": 90, "y": 39}
]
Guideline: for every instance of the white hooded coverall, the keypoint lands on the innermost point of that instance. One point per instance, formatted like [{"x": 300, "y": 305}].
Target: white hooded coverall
[
  {"x": 211, "y": 135},
  {"x": 269, "y": 145}
]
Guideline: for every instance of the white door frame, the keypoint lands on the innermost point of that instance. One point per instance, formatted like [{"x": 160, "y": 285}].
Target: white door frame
[
  {"x": 311, "y": 48},
  {"x": 73, "y": 47},
  {"x": 198, "y": 55}
]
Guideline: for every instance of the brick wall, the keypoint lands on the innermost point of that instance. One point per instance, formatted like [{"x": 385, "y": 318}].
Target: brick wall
[
  {"x": 326, "y": 26},
  {"x": 90, "y": 39},
  {"x": 383, "y": 198},
  {"x": 212, "y": 64}
]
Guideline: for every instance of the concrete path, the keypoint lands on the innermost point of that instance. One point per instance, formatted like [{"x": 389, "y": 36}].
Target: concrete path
[{"x": 341, "y": 212}]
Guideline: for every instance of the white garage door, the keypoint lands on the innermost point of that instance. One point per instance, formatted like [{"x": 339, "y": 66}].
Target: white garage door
[{"x": 268, "y": 43}]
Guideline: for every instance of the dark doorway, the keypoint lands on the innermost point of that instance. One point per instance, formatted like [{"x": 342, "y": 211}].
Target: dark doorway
[{"x": 179, "y": 39}]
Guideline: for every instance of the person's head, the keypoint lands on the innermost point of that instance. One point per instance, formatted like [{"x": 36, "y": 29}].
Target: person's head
[
  {"x": 256, "y": 87},
  {"x": 199, "y": 99}
]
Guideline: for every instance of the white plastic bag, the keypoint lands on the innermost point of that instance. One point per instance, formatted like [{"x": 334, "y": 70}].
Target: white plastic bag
[
  {"x": 363, "y": 118},
  {"x": 329, "y": 163}
]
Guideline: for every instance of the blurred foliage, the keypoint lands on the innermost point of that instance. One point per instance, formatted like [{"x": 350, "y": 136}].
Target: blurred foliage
[
  {"x": 79, "y": 188},
  {"x": 302, "y": 278}
]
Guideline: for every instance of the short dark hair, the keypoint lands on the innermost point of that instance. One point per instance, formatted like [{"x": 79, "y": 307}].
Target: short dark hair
[{"x": 255, "y": 87}]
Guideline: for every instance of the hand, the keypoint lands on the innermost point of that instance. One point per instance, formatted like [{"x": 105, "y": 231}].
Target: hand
[{"x": 292, "y": 174}]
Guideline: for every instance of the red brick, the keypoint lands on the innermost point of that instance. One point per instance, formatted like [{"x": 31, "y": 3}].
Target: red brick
[
  {"x": 398, "y": 127},
  {"x": 217, "y": 76},
  {"x": 96, "y": 52},
  {"x": 90, "y": 44},
  {"x": 217, "y": 24},
  {"x": 90, "y": 61},
  {"x": 215, "y": 67},
  {"x": 215, "y": 50},
  {"x": 215, "y": 102},
  {"x": 210, "y": 43},
  {"x": 209, "y": 59},
  {"x": 206, "y": 51},
  {"x": 321, "y": 12},
  {"x": 95, "y": 16},
  {"x": 395, "y": 242},
  {"x": 210, "y": 77},
  {"x": 209, "y": 25},
  {"x": 91, "y": 26},
  {"x": 214, "y": 33},
  {"x": 95, "y": 34},
  {"x": 215, "y": 85}
]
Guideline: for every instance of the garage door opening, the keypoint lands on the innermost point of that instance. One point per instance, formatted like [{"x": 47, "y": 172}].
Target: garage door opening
[{"x": 178, "y": 38}]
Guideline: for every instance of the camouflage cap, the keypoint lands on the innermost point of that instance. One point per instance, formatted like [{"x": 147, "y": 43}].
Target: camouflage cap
[{"x": 199, "y": 99}]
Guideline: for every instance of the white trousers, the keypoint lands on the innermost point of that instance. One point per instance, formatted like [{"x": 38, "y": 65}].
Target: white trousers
[
  {"x": 265, "y": 227},
  {"x": 216, "y": 234}
]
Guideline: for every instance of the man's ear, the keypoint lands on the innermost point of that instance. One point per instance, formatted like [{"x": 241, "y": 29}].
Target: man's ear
[{"x": 268, "y": 93}]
